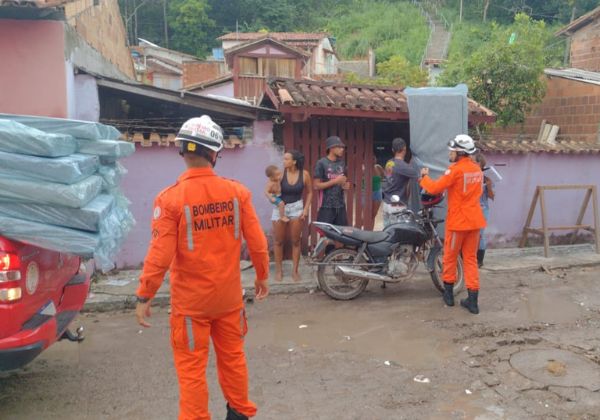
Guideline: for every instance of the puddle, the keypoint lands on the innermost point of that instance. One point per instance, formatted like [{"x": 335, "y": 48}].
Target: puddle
[
  {"x": 360, "y": 331},
  {"x": 548, "y": 305}
]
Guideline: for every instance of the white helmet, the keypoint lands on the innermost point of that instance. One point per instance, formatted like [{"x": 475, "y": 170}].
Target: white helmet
[
  {"x": 202, "y": 131},
  {"x": 462, "y": 143}
]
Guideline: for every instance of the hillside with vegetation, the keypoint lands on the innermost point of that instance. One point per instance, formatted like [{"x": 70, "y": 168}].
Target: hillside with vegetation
[{"x": 499, "y": 48}]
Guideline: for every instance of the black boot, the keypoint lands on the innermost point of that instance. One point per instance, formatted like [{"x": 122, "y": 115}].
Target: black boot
[
  {"x": 470, "y": 302},
  {"x": 448, "y": 294},
  {"x": 234, "y": 415},
  {"x": 480, "y": 256}
]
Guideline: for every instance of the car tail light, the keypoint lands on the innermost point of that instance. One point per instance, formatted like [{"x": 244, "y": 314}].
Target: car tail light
[
  {"x": 9, "y": 261},
  {"x": 9, "y": 277}
]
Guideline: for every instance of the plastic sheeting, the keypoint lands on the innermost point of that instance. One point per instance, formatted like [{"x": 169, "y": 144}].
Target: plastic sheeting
[
  {"x": 21, "y": 139},
  {"x": 75, "y": 195},
  {"x": 111, "y": 175},
  {"x": 52, "y": 237},
  {"x": 106, "y": 148},
  {"x": 436, "y": 116},
  {"x": 80, "y": 129},
  {"x": 88, "y": 218},
  {"x": 65, "y": 170}
]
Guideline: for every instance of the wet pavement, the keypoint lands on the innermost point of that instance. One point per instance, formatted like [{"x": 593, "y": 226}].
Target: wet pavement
[{"x": 394, "y": 353}]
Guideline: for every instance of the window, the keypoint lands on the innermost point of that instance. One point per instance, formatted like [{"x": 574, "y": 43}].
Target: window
[
  {"x": 265, "y": 67},
  {"x": 248, "y": 66}
]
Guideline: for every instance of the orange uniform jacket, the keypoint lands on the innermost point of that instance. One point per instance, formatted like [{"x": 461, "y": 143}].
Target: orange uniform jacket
[
  {"x": 197, "y": 230},
  {"x": 464, "y": 182}
]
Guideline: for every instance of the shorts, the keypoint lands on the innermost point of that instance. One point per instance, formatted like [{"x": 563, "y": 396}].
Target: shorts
[
  {"x": 277, "y": 199},
  {"x": 377, "y": 195},
  {"x": 292, "y": 210},
  {"x": 334, "y": 216}
]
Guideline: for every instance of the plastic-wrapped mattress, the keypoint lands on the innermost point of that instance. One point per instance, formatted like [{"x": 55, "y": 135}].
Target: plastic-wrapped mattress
[
  {"x": 88, "y": 218},
  {"x": 106, "y": 148},
  {"x": 75, "y": 195},
  {"x": 80, "y": 129},
  {"x": 19, "y": 138},
  {"x": 65, "y": 170}
]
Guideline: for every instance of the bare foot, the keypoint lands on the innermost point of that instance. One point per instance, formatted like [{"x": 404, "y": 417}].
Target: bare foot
[
  {"x": 285, "y": 219},
  {"x": 296, "y": 277},
  {"x": 278, "y": 276}
]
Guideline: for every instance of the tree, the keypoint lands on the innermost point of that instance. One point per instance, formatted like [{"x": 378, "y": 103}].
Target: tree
[
  {"x": 191, "y": 26},
  {"x": 505, "y": 74}
]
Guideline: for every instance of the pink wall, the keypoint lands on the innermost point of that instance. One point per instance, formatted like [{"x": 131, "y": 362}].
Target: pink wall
[
  {"x": 522, "y": 173},
  {"x": 33, "y": 70},
  {"x": 151, "y": 169},
  {"x": 223, "y": 90}
]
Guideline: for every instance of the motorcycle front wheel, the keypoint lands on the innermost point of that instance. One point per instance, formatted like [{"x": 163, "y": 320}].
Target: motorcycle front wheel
[
  {"x": 337, "y": 286},
  {"x": 437, "y": 257}
]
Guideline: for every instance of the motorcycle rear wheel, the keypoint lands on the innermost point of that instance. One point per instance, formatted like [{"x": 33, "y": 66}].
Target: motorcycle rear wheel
[
  {"x": 337, "y": 287},
  {"x": 438, "y": 267}
]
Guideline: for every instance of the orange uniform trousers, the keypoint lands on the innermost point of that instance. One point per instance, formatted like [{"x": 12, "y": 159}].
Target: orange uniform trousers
[
  {"x": 190, "y": 341},
  {"x": 463, "y": 242}
]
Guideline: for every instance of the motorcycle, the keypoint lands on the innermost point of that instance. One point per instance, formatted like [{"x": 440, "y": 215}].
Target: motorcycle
[{"x": 388, "y": 256}]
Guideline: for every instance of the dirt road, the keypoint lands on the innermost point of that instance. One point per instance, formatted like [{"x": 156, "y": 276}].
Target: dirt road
[{"x": 398, "y": 353}]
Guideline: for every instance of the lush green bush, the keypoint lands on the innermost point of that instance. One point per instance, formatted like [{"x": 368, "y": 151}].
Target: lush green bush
[
  {"x": 390, "y": 28},
  {"x": 396, "y": 71}
]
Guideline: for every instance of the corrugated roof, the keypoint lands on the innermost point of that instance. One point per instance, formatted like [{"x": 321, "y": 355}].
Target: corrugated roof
[
  {"x": 281, "y": 36},
  {"x": 353, "y": 99},
  {"x": 575, "y": 74},
  {"x": 519, "y": 145},
  {"x": 34, "y": 3},
  {"x": 579, "y": 22}
]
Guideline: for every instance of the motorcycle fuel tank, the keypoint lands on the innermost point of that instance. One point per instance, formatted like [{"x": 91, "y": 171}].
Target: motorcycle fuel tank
[{"x": 407, "y": 231}]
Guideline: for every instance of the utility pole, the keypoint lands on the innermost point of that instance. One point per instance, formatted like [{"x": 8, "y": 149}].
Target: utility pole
[
  {"x": 568, "y": 46},
  {"x": 166, "y": 25},
  {"x": 461, "y": 11},
  {"x": 135, "y": 23}
]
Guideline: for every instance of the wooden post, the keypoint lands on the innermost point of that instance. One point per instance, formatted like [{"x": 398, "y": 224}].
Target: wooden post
[
  {"x": 596, "y": 218},
  {"x": 529, "y": 217},
  {"x": 544, "y": 224},
  {"x": 584, "y": 206}
]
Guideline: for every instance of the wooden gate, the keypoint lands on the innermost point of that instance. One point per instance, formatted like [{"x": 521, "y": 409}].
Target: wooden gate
[{"x": 309, "y": 138}]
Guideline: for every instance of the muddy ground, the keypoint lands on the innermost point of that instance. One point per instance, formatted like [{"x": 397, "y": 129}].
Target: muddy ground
[{"x": 398, "y": 353}]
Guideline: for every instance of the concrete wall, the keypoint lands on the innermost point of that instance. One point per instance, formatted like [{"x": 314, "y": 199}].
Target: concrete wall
[
  {"x": 585, "y": 47},
  {"x": 522, "y": 173},
  {"x": 32, "y": 73},
  {"x": 102, "y": 27},
  {"x": 87, "y": 102},
  {"x": 572, "y": 105},
  {"x": 151, "y": 169}
]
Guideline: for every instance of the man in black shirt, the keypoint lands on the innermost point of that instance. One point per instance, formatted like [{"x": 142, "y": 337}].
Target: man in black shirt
[
  {"x": 398, "y": 174},
  {"x": 331, "y": 181}
]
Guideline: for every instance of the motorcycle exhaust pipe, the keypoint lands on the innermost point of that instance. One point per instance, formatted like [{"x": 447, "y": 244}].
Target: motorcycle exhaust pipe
[{"x": 366, "y": 275}]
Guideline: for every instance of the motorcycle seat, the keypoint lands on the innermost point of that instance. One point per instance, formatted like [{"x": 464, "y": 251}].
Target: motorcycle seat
[{"x": 364, "y": 235}]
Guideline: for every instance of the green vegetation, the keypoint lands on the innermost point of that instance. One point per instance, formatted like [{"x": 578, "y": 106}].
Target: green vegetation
[
  {"x": 390, "y": 28},
  {"x": 396, "y": 71},
  {"x": 505, "y": 72}
]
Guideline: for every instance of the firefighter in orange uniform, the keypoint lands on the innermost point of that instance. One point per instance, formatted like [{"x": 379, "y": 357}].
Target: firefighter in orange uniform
[
  {"x": 197, "y": 229},
  {"x": 464, "y": 181}
]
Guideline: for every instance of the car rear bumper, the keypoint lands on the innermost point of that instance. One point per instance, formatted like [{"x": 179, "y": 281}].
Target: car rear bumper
[
  {"x": 16, "y": 358},
  {"x": 42, "y": 330}
]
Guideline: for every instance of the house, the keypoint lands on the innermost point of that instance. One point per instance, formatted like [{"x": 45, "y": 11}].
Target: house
[
  {"x": 322, "y": 59},
  {"x": 584, "y": 37},
  {"x": 367, "y": 118},
  {"x": 70, "y": 59}
]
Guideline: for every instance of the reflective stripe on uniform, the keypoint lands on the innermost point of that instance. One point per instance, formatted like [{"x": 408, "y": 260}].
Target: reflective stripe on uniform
[
  {"x": 188, "y": 222},
  {"x": 190, "y": 333},
  {"x": 236, "y": 218}
]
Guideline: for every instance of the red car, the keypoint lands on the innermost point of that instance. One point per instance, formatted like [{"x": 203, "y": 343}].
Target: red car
[{"x": 41, "y": 292}]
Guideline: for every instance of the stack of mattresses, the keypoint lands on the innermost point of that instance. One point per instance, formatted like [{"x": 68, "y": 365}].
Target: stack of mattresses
[{"x": 59, "y": 186}]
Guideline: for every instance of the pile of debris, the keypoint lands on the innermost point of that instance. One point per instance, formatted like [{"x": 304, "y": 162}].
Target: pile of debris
[{"x": 59, "y": 186}]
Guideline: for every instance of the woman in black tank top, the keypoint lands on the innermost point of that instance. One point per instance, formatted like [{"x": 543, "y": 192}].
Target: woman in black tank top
[{"x": 295, "y": 183}]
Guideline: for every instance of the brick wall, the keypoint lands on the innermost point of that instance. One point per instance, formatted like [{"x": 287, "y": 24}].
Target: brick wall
[
  {"x": 194, "y": 73},
  {"x": 102, "y": 27},
  {"x": 585, "y": 47},
  {"x": 573, "y": 106}
]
